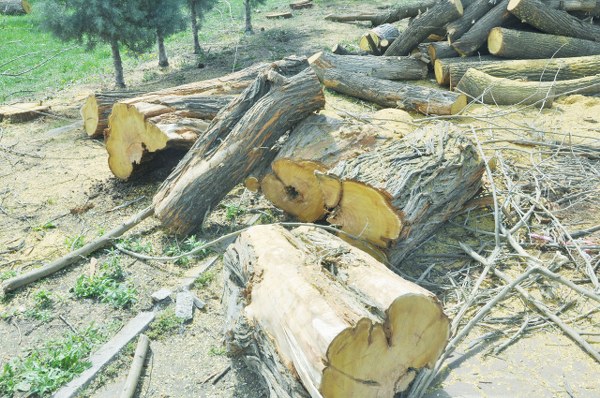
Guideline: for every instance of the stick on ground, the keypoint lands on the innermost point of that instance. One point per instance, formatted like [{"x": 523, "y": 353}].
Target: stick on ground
[{"x": 136, "y": 367}]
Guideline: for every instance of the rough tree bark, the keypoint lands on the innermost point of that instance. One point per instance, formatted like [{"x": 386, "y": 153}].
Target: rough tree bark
[
  {"x": 378, "y": 39},
  {"x": 557, "y": 22},
  {"x": 248, "y": 16},
  {"x": 440, "y": 49},
  {"x": 116, "y": 55},
  {"x": 194, "y": 19},
  {"x": 241, "y": 138},
  {"x": 395, "y": 14},
  {"x": 343, "y": 325},
  {"x": 470, "y": 16},
  {"x": 418, "y": 30},
  {"x": 14, "y": 7},
  {"x": 516, "y": 44},
  {"x": 389, "y": 93},
  {"x": 163, "y": 61}
]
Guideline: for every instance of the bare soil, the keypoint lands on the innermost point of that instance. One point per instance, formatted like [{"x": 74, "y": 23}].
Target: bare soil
[{"x": 51, "y": 173}]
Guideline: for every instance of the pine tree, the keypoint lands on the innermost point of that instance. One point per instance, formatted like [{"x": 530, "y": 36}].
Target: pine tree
[
  {"x": 165, "y": 17},
  {"x": 248, "y": 4},
  {"x": 117, "y": 23},
  {"x": 198, "y": 8}
]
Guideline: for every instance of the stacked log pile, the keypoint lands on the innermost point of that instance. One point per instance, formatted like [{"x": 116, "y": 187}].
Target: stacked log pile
[{"x": 538, "y": 50}]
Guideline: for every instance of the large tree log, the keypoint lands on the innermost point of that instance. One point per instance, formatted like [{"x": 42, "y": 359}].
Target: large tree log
[
  {"x": 495, "y": 90},
  {"x": 391, "y": 94},
  {"x": 343, "y": 324},
  {"x": 518, "y": 44},
  {"x": 472, "y": 14},
  {"x": 23, "y": 111},
  {"x": 241, "y": 138},
  {"x": 470, "y": 42},
  {"x": 14, "y": 7},
  {"x": 96, "y": 109},
  {"x": 395, "y": 14},
  {"x": 390, "y": 68},
  {"x": 396, "y": 195},
  {"x": 376, "y": 40},
  {"x": 549, "y": 20},
  {"x": 440, "y": 49},
  {"x": 418, "y": 30},
  {"x": 450, "y": 71}
]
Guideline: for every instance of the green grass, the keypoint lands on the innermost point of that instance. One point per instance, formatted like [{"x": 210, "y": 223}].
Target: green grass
[
  {"x": 205, "y": 279},
  {"x": 43, "y": 303},
  {"x": 74, "y": 242},
  {"x": 165, "y": 324},
  {"x": 107, "y": 286},
  {"x": 50, "y": 366},
  {"x": 177, "y": 248},
  {"x": 4, "y": 275}
]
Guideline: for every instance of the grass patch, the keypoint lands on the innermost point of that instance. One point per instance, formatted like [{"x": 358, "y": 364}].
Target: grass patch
[
  {"x": 75, "y": 242},
  {"x": 178, "y": 248},
  {"x": 107, "y": 286},
  {"x": 7, "y": 275},
  {"x": 165, "y": 324},
  {"x": 47, "y": 368},
  {"x": 43, "y": 303},
  {"x": 205, "y": 279},
  {"x": 217, "y": 351},
  {"x": 233, "y": 211},
  {"x": 135, "y": 244},
  {"x": 44, "y": 227}
]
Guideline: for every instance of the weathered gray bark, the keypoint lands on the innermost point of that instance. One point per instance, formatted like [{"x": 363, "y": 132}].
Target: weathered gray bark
[
  {"x": 395, "y": 14},
  {"x": 248, "y": 16},
  {"x": 194, "y": 19},
  {"x": 441, "y": 49},
  {"x": 116, "y": 55},
  {"x": 163, "y": 61},
  {"x": 470, "y": 16}
]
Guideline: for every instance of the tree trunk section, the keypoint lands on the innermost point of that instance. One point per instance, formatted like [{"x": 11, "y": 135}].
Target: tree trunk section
[
  {"x": 241, "y": 138},
  {"x": 501, "y": 91},
  {"x": 344, "y": 325},
  {"x": 299, "y": 5},
  {"x": 390, "y": 68},
  {"x": 395, "y": 14},
  {"x": 116, "y": 55},
  {"x": 477, "y": 35},
  {"x": 450, "y": 71},
  {"x": 97, "y": 107},
  {"x": 377, "y": 39},
  {"x": 517, "y": 44},
  {"x": 163, "y": 61},
  {"x": 556, "y": 22},
  {"x": 194, "y": 19},
  {"x": 22, "y": 112},
  {"x": 341, "y": 50},
  {"x": 472, "y": 14},
  {"x": 14, "y": 7},
  {"x": 440, "y": 49},
  {"x": 391, "y": 94},
  {"x": 248, "y": 16},
  {"x": 418, "y": 30}
]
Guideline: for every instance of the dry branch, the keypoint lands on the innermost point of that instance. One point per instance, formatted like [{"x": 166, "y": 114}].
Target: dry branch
[
  {"x": 395, "y": 14},
  {"x": 137, "y": 365}
]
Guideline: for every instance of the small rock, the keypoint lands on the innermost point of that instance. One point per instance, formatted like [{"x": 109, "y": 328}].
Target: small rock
[
  {"x": 160, "y": 295},
  {"x": 184, "y": 306},
  {"x": 198, "y": 302}
]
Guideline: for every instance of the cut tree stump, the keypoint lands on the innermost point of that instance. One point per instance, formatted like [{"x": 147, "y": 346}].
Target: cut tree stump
[
  {"x": 395, "y": 14},
  {"x": 23, "y": 112},
  {"x": 241, "y": 138},
  {"x": 471, "y": 15},
  {"x": 389, "y": 93},
  {"x": 14, "y": 7},
  {"x": 450, "y": 71},
  {"x": 395, "y": 195},
  {"x": 472, "y": 40},
  {"x": 96, "y": 108},
  {"x": 301, "y": 4},
  {"x": 501, "y": 91},
  {"x": 516, "y": 44},
  {"x": 430, "y": 21},
  {"x": 390, "y": 68},
  {"x": 556, "y": 22},
  {"x": 317, "y": 317},
  {"x": 376, "y": 40},
  {"x": 276, "y": 15}
]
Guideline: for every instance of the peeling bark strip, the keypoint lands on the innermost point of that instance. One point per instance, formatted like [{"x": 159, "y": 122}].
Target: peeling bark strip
[
  {"x": 343, "y": 324},
  {"x": 240, "y": 139}
]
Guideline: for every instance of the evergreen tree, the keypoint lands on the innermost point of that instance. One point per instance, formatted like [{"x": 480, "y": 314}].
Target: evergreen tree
[
  {"x": 165, "y": 17},
  {"x": 119, "y": 22},
  {"x": 248, "y": 4},
  {"x": 197, "y": 10}
]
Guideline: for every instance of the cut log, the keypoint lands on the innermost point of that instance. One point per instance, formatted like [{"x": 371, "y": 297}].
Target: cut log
[
  {"x": 589, "y": 6},
  {"x": 23, "y": 112},
  {"x": 515, "y": 44},
  {"x": 450, "y": 71},
  {"x": 96, "y": 108},
  {"x": 418, "y": 30},
  {"x": 393, "y": 15},
  {"x": 499, "y": 91},
  {"x": 241, "y": 138},
  {"x": 377, "y": 39},
  {"x": 470, "y": 42},
  {"x": 277, "y": 15},
  {"x": 440, "y": 49},
  {"x": 390, "y": 68},
  {"x": 557, "y": 22},
  {"x": 344, "y": 325},
  {"x": 391, "y": 94},
  {"x": 341, "y": 50},
  {"x": 301, "y": 4},
  {"x": 472, "y": 14},
  {"x": 14, "y": 7}
]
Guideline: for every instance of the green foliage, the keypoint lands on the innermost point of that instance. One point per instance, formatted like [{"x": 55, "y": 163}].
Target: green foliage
[
  {"x": 47, "y": 368},
  {"x": 233, "y": 211},
  {"x": 75, "y": 242},
  {"x": 135, "y": 244},
  {"x": 166, "y": 323},
  {"x": 4, "y": 275},
  {"x": 217, "y": 351},
  {"x": 205, "y": 279},
  {"x": 177, "y": 248},
  {"x": 107, "y": 286},
  {"x": 42, "y": 306},
  {"x": 44, "y": 227}
]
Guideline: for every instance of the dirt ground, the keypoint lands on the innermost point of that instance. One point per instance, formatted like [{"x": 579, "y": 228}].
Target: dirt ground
[{"x": 51, "y": 173}]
